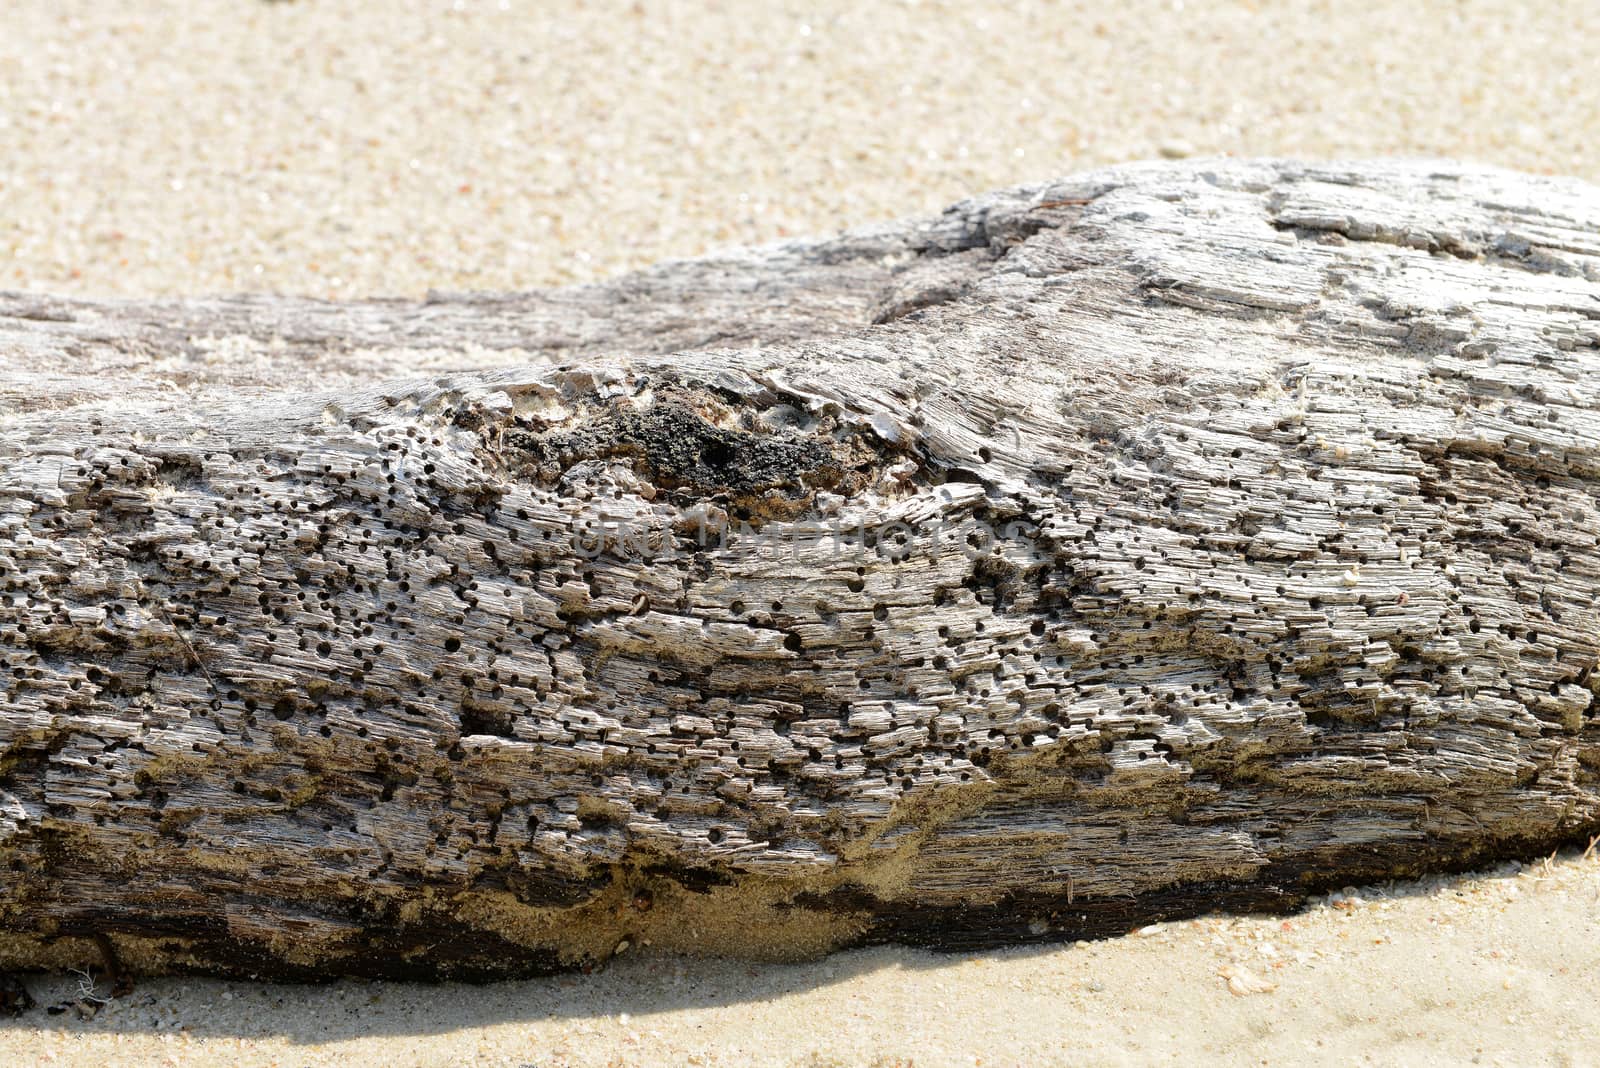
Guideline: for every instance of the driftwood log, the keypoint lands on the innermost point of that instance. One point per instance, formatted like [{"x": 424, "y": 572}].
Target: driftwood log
[{"x": 1167, "y": 538}]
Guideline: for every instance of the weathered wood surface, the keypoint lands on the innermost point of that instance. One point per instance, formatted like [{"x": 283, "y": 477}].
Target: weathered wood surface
[{"x": 1165, "y": 538}]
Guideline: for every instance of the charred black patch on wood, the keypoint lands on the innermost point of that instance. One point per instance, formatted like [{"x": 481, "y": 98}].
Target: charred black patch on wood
[
  {"x": 691, "y": 444},
  {"x": 14, "y": 997},
  {"x": 428, "y": 949},
  {"x": 695, "y": 880},
  {"x": 1033, "y": 918},
  {"x": 1283, "y": 886}
]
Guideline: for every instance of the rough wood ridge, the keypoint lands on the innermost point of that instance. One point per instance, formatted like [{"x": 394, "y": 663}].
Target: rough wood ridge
[{"x": 1160, "y": 539}]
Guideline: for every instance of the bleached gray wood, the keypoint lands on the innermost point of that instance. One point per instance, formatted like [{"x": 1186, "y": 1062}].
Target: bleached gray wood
[{"x": 1164, "y": 538}]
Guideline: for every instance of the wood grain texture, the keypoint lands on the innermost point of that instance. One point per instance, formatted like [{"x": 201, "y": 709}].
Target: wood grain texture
[{"x": 1160, "y": 539}]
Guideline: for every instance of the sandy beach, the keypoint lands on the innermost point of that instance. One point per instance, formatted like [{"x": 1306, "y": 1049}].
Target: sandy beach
[{"x": 341, "y": 150}]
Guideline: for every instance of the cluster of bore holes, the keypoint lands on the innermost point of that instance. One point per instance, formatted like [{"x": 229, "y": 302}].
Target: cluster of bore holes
[{"x": 877, "y": 613}]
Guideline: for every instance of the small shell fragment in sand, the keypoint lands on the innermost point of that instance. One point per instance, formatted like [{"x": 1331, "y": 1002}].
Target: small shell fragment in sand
[{"x": 1242, "y": 981}]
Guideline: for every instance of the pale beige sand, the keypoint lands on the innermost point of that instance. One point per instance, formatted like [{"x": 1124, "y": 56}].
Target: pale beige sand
[
  {"x": 357, "y": 148},
  {"x": 339, "y": 147}
]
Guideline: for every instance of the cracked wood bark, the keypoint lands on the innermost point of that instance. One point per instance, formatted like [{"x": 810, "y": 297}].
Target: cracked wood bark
[{"x": 1160, "y": 539}]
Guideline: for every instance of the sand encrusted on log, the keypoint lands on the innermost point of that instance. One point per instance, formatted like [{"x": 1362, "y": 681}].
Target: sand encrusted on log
[{"x": 1163, "y": 538}]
